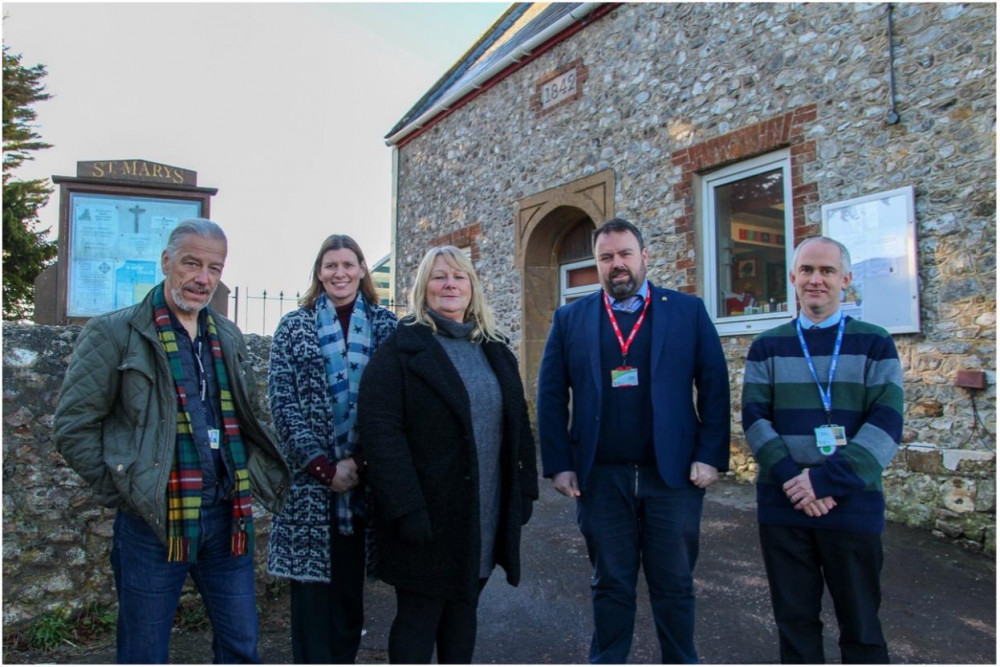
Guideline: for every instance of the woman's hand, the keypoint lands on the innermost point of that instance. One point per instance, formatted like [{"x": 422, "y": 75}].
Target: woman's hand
[{"x": 346, "y": 477}]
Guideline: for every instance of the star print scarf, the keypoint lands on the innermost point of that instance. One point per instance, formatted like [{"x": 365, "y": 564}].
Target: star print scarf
[
  {"x": 184, "y": 485},
  {"x": 345, "y": 361}
]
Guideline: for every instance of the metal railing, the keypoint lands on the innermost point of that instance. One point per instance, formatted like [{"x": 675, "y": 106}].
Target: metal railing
[{"x": 260, "y": 313}]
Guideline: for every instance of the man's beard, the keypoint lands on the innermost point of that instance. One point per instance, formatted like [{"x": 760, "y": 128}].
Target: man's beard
[
  {"x": 621, "y": 290},
  {"x": 183, "y": 305}
]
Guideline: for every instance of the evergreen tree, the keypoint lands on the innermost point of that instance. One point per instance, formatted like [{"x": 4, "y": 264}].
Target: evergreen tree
[{"x": 25, "y": 249}]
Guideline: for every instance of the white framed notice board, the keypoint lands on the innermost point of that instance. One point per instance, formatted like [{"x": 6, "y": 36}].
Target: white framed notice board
[{"x": 880, "y": 231}]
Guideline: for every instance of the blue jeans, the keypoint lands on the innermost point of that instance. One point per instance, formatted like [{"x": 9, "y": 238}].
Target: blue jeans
[
  {"x": 149, "y": 590},
  {"x": 628, "y": 516}
]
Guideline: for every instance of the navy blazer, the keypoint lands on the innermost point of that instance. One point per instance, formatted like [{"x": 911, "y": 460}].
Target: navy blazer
[{"x": 686, "y": 352}]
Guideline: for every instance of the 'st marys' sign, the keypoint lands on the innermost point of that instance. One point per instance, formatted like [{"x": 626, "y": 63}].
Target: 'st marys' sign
[{"x": 136, "y": 171}]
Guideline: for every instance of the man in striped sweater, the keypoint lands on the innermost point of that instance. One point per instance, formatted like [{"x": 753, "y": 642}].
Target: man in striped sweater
[{"x": 823, "y": 415}]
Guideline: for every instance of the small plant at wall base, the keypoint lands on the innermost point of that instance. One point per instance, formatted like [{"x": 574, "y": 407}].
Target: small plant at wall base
[
  {"x": 95, "y": 621},
  {"x": 44, "y": 633},
  {"x": 192, "y": 615},
  {"x": 54, "y": 628}
]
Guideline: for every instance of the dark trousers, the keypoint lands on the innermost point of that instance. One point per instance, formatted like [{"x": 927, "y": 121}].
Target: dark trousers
[
  {"x": 798, "y": 561},
  {"x": 424, "y": 620},
  {"x": 327, "y": 618},
  {"x": 149, "y": 590},
  {"x": 628, "y": 516}
]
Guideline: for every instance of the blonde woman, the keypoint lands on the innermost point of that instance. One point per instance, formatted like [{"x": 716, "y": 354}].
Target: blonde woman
[{"x": 452, "y": 485}]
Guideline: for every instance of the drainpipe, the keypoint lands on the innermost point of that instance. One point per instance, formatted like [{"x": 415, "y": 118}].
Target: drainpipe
[
  {"x": 892, "y": 117},
  {"x": 393, "y": 214},
  {"x": 525, "y": 49}
]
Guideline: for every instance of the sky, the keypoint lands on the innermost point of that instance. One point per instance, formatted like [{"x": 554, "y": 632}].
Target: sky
[{"x": 282, "y": 107}]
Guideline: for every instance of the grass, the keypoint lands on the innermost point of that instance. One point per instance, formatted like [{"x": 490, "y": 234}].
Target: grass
[{"x": 54, "y": 628}]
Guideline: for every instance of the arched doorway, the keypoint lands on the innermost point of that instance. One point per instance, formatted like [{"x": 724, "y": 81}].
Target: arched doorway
[{"x": 553, "y": 231}]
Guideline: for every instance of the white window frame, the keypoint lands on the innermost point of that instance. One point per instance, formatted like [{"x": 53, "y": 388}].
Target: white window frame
[
  {"x": 756, "y": 323},
  {"x": 583, "y": 290}
]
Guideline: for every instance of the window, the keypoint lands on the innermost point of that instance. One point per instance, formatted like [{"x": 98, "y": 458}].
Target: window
[
  {"x": 577, "y": 270},
  {"x": 747, "y": 226},
  {"x": 577, "y": 280}
]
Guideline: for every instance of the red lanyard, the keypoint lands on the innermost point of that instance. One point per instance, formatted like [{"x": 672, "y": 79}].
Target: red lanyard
[{"x": 625, "y": 344}]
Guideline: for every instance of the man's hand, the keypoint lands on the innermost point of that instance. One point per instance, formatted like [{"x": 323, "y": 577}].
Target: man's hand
[
  {"x": 346, "y": 477},
  {"x": 565, "y": 483},
  {"x": 702, "y": 474},
  {"x": 820, "y": 507},
  {"x": 799, "y": 490}
]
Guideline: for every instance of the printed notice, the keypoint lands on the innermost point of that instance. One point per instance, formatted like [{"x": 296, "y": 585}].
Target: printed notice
[
  {"x": 132, "y": 281},
  {"x": 93, "y": 280},
  {"x": 96, "y": 232}
]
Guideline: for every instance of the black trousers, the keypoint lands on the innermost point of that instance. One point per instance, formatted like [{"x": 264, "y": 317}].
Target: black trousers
[
  {"x": 423, "y": 621},
  {"x": 798, "y": 562},
  {"x": 327, "y": 618}
]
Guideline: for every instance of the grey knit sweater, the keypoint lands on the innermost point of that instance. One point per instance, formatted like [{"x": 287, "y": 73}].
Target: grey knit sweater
[{"x": 487, "y": 425}]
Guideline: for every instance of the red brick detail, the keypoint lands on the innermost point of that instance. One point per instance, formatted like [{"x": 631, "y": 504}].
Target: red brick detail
[
  {"x": 785, "y": 131},
  {"x": 467, "y": 236}
]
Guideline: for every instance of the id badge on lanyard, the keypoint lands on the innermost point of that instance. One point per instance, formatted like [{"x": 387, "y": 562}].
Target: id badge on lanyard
[
  {"x": 625, "y": 375},
  {"x": 830, "y": 436}
]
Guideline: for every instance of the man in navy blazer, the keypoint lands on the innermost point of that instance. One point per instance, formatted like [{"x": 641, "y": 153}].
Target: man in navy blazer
[{"x": 636, "y": 448}]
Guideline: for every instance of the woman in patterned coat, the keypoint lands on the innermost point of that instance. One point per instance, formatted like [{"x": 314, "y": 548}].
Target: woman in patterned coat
[{"x": 318, "y": 355}]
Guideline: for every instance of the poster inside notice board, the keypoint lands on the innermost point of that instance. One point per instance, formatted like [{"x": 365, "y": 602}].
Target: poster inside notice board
[{"x": 880, "y": 232}]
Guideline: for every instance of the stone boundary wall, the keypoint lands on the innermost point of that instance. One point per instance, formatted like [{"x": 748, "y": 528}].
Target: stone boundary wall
[{"x": 56, "y": 539}]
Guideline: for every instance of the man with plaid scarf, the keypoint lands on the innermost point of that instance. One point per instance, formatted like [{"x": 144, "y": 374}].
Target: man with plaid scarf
[{"x": 156, "y": 414}]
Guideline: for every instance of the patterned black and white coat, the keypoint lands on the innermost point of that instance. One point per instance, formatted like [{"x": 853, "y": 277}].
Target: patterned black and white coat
[{"x": 299, "y": 546}]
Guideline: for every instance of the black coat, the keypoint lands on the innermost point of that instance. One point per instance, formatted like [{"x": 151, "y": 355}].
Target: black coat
[{"x": 415, "y": 422}]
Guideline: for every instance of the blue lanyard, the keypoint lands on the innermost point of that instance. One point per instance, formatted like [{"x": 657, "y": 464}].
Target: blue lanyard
[{"x": 825, "y": 395}]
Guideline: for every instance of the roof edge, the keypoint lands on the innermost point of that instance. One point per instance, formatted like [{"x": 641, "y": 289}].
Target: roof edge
[{"x": 532, "y": 48}]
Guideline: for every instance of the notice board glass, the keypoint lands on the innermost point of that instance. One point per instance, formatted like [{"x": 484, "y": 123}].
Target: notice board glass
[
  {"x": 115, "y": 244},
  {"x": 880, "y": 231}
]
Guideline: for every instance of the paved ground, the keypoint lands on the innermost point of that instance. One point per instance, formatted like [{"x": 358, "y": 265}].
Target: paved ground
[{"x": 939, "y": 601}]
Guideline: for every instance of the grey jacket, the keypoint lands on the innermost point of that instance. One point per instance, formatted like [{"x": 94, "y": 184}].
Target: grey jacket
[{"x": 116, "y": 419}]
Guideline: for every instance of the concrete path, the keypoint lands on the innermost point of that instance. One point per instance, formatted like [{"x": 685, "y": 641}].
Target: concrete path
[{"x": 939, "y": 601}]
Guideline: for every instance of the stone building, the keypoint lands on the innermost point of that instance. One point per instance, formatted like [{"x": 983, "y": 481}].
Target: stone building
[{"x": 722, "y": 130}]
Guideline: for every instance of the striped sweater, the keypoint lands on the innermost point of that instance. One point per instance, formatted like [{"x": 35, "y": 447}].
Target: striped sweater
[{"x": 782, "y": 406}]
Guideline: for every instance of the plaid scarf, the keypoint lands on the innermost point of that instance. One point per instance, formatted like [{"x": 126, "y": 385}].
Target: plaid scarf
[
  {"x": 345, "y": 361},
  {"x": 184, "y": 487}
]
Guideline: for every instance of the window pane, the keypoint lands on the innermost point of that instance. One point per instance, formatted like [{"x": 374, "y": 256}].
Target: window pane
[
  {"x": 750, "y": 237},
  {"x": 580, "y": 277}
]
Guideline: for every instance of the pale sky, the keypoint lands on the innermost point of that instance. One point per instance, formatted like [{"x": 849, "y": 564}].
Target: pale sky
[{"x": 282, "y": 107}]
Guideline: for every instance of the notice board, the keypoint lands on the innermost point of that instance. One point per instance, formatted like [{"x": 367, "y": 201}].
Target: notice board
[{"x": 880, "y": 232}]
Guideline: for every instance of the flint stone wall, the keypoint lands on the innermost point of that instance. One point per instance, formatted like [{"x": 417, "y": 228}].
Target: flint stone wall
[
  {"x": 662, "y": 78},
  {"x": 56, "y": 538}
]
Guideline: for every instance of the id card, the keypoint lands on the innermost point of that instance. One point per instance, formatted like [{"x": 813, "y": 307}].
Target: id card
[
  {"x": 213, "y": 438},
  {"x": 828, "y": 438},
  {"x": 624, "y": 376}
]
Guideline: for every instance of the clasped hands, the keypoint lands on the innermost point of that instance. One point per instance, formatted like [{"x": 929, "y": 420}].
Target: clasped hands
[
  {"x": 799, "y": 490},
  {"x": 346, "y": 477}
]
